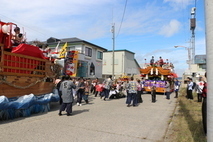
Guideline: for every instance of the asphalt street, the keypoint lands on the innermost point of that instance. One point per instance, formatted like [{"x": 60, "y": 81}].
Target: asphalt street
[{"x": 98, "y": 121}]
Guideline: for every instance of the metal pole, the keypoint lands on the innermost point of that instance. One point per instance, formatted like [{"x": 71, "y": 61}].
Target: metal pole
[
  {"x": 209, "y": 60},
  {"x": 192, "y": 28},
  {"x": 190, "y": 59},
  {"x": 193, "y": 47},
  {"x": 113, "y": 45}
]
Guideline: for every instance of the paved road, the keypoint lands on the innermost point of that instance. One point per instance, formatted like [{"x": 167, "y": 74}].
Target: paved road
[{"x": 98, "y": 121}]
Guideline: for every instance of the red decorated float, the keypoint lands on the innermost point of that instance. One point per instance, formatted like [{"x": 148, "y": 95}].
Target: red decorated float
[{"x": 23, "y": 67}]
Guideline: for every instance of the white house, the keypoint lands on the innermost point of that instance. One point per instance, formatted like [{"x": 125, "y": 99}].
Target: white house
[
  {"x": 124, "y": 63},
  {"x": 90, "y": 56}
]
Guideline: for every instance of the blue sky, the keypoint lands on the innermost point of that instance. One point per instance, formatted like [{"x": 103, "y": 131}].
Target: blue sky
[{"x": 149, "y": 27}]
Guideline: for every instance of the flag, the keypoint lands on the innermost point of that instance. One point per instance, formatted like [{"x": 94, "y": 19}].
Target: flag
[
  {"x": 56, "y": 48},
  {"x": 55, "y": 54},
  {"x": 63, "y": 51}
]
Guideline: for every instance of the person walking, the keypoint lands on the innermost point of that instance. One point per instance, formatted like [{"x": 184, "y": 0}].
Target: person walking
[
  {"x": 132, "y": 93},
  {"x": 67, "y": 95},
  {"x": 99, "y": 89},
  {"x": 107, "y": 85},
  {"x": 80, "y": 91},
  {"x": 168, "y": 90},
  {"x": 177, "y": 86}
]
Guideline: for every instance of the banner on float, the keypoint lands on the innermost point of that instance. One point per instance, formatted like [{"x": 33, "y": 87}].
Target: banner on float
[{"x": 71, "y": 62}]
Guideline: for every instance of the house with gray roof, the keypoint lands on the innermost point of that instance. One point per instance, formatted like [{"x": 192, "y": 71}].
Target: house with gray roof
[{"x": 90, "y": 56}]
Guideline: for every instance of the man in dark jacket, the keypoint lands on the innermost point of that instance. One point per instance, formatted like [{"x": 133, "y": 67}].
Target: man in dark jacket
[{"x": 67, "y": 95}]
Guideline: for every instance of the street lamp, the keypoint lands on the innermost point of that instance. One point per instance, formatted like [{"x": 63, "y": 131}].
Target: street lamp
[{"x": 189, "y": 55}]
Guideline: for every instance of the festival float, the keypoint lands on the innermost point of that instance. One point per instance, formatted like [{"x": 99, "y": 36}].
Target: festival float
[
  {"x": 157, "y": 74},
  {"x": 124, "y": 78},
  {"x": 25, "y": 72}
]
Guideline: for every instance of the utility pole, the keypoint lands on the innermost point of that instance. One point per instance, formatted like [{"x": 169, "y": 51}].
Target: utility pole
[
  {"x": 209, "y": 58},
  {"x": 113, "y": 49},
  {"x": 192, "y": 28}
]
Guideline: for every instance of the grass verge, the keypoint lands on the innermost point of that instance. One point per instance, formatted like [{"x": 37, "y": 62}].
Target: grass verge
[{"x": 186, "y": 125}]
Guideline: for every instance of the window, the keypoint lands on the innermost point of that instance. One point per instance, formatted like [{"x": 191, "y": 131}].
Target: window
[
  {"x": 99, "y": 55},
  {"x": 88, "y": 51},
  {"x": 79, "y": 49},
  {"x": 71, "y": 48}
]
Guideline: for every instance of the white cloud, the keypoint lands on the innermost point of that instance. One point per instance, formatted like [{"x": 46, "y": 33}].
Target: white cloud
[
  {"x": 43, "y": 19},
  {"x": 86, "y": 19},
  {"x": 171, "y": 28},
  {"x": 179, "y": 4}
]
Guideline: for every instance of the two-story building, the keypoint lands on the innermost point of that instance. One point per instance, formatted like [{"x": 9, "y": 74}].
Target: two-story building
[
  {"x": 90, "y": 56},
  {"x": 124, "y": 63}
]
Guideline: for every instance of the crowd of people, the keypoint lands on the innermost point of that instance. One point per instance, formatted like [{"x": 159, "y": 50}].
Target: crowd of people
[
  {"x": 160, "y": 62},
  {"x": 200, "y": 88},
  {"x": 132, "y": 89},
  {"x": 80, "y": 88}
]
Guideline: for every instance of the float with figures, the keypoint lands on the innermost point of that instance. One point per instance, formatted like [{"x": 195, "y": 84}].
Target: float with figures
[
  {"x": 157, "y": 73},
  {"x": 25, "y": 72}
]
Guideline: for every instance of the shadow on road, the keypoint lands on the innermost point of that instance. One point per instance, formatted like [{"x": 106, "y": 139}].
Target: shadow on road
[{"x": 76, "y": 112}]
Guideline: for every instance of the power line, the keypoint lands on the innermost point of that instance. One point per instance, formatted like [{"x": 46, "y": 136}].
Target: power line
[{"x": 122, "y": 18}]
